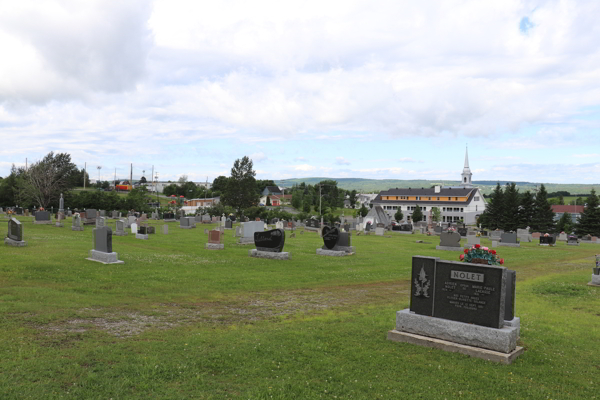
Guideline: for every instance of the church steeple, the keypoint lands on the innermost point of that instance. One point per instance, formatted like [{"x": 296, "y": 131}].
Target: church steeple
[{"x": 466, "y": 174}]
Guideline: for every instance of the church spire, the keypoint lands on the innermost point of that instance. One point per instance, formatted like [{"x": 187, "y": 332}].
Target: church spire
[{"x": 466, "y": 174}]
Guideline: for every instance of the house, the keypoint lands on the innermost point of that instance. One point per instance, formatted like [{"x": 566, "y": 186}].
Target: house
[
  {"x": 276, "y": 200},
  {"x": 463, "y": 202},
  {"x": 271, "y": 190},
  {"x": 364, "y": 198},
  {"x": 575, "y": 211}
]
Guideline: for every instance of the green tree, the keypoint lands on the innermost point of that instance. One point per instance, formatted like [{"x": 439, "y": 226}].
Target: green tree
[
  {"x": 494, "y": 210},
  {"x": 363, "y": 210},
  {"x": 261, "y": 184},
  {"x": 543, "y": 216},
  {"x": 297, "y": 199},
  {"x": 417, "y": 214},
  {"x": 565, "y": 223},
  {"x": 306, "y": 206},
  {"x": 436, "y": 214},
  {"x": 399, "y": 216},
  {"x": 219, "y": 184},
  {"x": 526, "y": 210},
  {"x": 561, "y": 200},
  {"x": 241, "y": 186},
  {"x": 510, "y": 220},
  {"x": 268, "y": 201},
  {"x": 46, "y": 179},
  {"x": 9, "y": 188},
  {"x": 589, "y": 221}
]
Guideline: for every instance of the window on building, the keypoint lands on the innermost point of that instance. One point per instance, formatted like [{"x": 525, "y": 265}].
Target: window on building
[
  {"x": 424, "y": 208},
  {"x": 476, "y": 198},
  {"x": 438, "y": 199},
  {"x": 461, "y": 210}
]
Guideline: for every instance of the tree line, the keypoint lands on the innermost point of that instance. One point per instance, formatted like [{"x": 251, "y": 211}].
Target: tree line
[{"x": 509, "y": 210}]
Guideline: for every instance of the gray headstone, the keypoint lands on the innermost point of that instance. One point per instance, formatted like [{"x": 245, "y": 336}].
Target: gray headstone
[
  {"x": 42, "y": 216},
  {"x": 450, "y": 239},
  {"x": 100, "y": 222},
  {"x": 91, "y": 213},
  {"x": 165, "y": 229},
  {"x": 120, "y": 226},
  {"x": 509, "y": 237},
  {"x": 15, "y": 230},
  {"x": 76, "y": 221},
  {"x": 249, "y": 228},
  {"x": 103, "y": 239}
]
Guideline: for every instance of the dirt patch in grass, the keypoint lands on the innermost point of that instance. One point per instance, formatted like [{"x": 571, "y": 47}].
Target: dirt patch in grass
[{"x": 254, "y": 307}]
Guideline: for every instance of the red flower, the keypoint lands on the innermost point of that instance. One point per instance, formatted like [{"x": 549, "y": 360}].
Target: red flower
[
  {"x": 494, "y": 252},
  {"x": 501, "y": 261},
  {"x": 466, "y": 251},
  {"x": 462, "y": 257},
  {"x": 477, "y": 246}
]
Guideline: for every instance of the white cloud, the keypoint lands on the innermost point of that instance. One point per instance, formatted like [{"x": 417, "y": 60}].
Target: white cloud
[
  {"x": 304, "y": 167},
  {"x": 257, "y": 157},
  {"x": 341, "y": 161}
]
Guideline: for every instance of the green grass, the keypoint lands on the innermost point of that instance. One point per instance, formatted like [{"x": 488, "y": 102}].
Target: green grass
[{"x": 177, "y": 321}]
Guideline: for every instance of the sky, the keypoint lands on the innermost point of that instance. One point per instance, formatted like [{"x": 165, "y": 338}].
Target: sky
[{"x": 341, "y": 89}]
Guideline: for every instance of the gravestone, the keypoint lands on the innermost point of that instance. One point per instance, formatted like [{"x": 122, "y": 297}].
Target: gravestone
[
  {"x": 100, "y": 222},
  {"x": 248, "y": 231},
  {"x": 509, "y": 239},
  {"x": 495, "y": 235},
  {"x": 472, "y": 240},
  {"x": 279, "y": 225},
  {"x": 336, "y": 243},
  {"x": 238, "y": 231},
  {"x": 102, "y": 251},
  {"x": 150, "y": 230},
  {"x": 572, "y": 240},
  {"x": 379, "y": 230},
  {"x": 187, "y": 223},
  {"x": 168, "y": 216},
  {"x": 14, "y": 236},
  {"x": 154, "y": 215},
  {"x": 142, "y": 232},
  {"x": 549, "y": 240},
  {"x": 449, "y": 241},
  {"x": 59, "y": 219},
  {"x": 206, "y": 219},
  {"x": 461, "y": 307},
  {"x": 269, "y": 244},
  {"x": 462, "y": 232},
  {"x": 536, "y": 235},
  {"x": 437, "y": 230},
  {"x": 42, "y": 218},
  {"x": 76, "y": 223},
  {"x": 91, "y": 213},
  {"x": 562, "y": 237},
  {"x": 523, "y": 235},
  {"x": 134, "y": 228},
  {"x": 121, "y": 225},
  {"x": 215, "y": 220},
  {"x": 115, "y": 214},
  {"x": 596, "y": 273},
  {"x": 27, "y": 212},
  {"x": 198, "y": 218},
  {"x": 228, "y": 224},
  {"x": 165, "y": 229},
  {"x": 215, "y": 239}
]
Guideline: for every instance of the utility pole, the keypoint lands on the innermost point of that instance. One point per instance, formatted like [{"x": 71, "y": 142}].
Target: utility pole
[{"x": 84, "y": 174}]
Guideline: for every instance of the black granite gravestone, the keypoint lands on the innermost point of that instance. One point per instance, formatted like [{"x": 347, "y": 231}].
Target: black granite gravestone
[
  {"x": 548, "y": 240},
  {"x": 272, "y": 240},
  {"x": 464, "y": 292},
  {"x": 330, "y": 236}
]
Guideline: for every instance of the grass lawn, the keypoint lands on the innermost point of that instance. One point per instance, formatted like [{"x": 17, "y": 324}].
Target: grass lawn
[{"x": 177, "y": 321}]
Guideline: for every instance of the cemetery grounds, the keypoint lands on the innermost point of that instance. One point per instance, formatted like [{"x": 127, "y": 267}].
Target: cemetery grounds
[{"x": 178, "y": 321}]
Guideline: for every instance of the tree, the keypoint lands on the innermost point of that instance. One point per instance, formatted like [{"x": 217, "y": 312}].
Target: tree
[
  {"x": 565, "y": 223},
  {"x": 143, "y": 179},
  {"x": 561, "y": 200},
  {"x": 436, "y": 214},
  {"x": 494, "y": 210},
  {"x": 306, "y": 206},
  {"x": 417, "y": 214},
  {"x": 589, "y": 221},
  {"x": 46, "y": 179},
  {"x": 526, "y": 210},
  {"x": 240, "y": 192},
  {"x": 297, "y": 199},
  {"x": 363, "y": 210},
  {"x": 510, "y": 221},
  {"x": 220, "y": 184},
  {"x": 268, "y": 201},
  {"x": 183, "y": 179},
  {"x": 399, "y": 216},
  {"x": 262, "y": 184},
  {"x": 543, "y": 216}
]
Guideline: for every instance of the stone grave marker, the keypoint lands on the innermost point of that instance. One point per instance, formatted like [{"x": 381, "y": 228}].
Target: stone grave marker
[
  {"x": 100, "y": 222},
  {"x": 464, "y": 305},
  {"x": 165, "y": 229},
  {"x": 14, "y": 236},
  {"x": 215, "y": 240},
  {"x": 187, "y": 223},
  {"x": 168, "y": 216},
  {"x": 115, "y": 214},
  {"x": 596, "y": 273},
  {"x": 336, "y": 243},
  {"x": 42, "y": 217},
  {"x": 248, "y": 231},
  {"x": 150, "y": 230},
  {"x": 206, "y": 219},
  {"x": 269, "y": 244},
  {"x": 472, "y": 240},
  {"x": 121, "y": 225},
  {"x": 572, "y": 240},
  {"x": 134, "y": 228},
  {"x": 536, "y": 235},
  {"x": 549, "y": 240},
  {"x": 509, "y": 239},
  {"x": 449, "y": 241},
  {"x": 228, "y": 224},
  {"x": 103, "y": 251},
  {"x": 142, "y": 232},
  {"x": 59, "y": 219},
  {"x": 562, "y": 237}
]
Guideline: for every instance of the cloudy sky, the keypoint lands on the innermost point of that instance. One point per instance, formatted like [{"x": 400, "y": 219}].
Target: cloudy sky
[{"x": 363, "y": 89}]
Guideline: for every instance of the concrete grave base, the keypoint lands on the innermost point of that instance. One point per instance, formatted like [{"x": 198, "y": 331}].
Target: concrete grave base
[
  {"x": 104, "y": 258},
  {"x": 59, "y": 225},
  {"x": 140, "y": 236},
  {"x": 545, "y": 244},
  {"x": 214, "y": 246},
  {"x": 477, "y": 352},
  {"x": 42, "y": 222},
  {"x": 449, "y": 248},
  {"x": 169, "y": 220},
  {"x": 509, "y": 244},
  {"x": 284, "y": 255},
  {"x": 121, "y": 233},
  {"x": 595, "y": 280},
  {"x": 503, "y": 340},
  {"x": 332, "y": 253},
  {"x": 77, "y": 228},
  {"x": 573, "y": 244},
  {"x": 246, "y": 240},
  {"x": 15, "y": 243},
  {"x": 187, "y": 227}
]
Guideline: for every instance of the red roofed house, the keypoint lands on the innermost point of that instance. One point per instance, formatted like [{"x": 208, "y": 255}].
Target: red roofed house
[{"x": 575, "y": 211}]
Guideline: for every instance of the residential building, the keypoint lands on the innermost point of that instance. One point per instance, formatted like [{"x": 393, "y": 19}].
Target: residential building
[{"x": 575, "y": 211}]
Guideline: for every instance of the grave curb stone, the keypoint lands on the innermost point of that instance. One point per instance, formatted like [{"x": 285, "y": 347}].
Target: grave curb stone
[
  {"x": 15, "y": 243},
  {"x": 450, "y": 248},
  {"x": 141, "y": 236},
  {"x": 214, "y": 246},
  {"x": 509, "y": 244},
  {"x": 333, "y": 253},
  {"x": 104, "y": 258},
  {"x": 271, "y": 255},
  {"x": 595, "y": 280}
]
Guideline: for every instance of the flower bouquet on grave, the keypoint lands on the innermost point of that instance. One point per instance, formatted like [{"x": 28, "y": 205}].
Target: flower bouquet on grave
[{"x": 481, "y": 255}]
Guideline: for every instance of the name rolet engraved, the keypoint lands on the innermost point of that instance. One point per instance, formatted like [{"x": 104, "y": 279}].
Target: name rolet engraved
[{"x": 467, "y": 276}]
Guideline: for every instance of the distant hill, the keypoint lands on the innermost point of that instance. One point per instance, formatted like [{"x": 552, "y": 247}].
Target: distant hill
[{"x": 377, "y": 185}]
